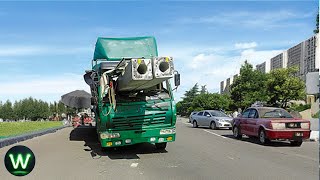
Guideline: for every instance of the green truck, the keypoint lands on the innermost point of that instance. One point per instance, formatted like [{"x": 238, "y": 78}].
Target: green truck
[{"x": 132, "y": 97}]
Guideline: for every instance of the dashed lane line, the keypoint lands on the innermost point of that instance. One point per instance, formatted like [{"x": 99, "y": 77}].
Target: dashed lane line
[{"x": 215, "y": 134}]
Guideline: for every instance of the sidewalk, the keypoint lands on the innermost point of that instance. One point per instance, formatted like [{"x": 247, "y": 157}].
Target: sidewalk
[{"x": 314, "y": 136}]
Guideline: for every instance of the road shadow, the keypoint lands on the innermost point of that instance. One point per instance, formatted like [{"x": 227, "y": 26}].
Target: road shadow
[
  {"x": 254, "y": 140},
  {"x": 92, "y": 145}
]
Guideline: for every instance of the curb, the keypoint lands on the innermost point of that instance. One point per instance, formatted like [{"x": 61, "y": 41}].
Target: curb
[
  {"x": 314, "y": 136},
  {"x": 15, "y": 139}
]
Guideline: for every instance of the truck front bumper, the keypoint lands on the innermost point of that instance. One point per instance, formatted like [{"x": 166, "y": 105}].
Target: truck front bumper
[{"x": 129, "y": 137}]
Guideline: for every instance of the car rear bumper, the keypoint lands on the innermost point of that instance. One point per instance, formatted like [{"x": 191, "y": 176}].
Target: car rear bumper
[{"x": 288, "y": 134}]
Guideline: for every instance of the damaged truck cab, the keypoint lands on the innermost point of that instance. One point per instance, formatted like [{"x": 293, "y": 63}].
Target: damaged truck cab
[{"x": 131, "y": 92}]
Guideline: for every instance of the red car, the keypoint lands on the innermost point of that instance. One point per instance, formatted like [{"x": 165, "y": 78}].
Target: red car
[{"x": 268, "y": 123}]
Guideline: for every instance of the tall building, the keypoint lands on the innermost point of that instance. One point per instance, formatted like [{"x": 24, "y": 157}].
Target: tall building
[
  {"x": 279, "y": 61},
  {"x": 221, "y": 87},
  {"x": 310, "y": 56},
  {"x": 261, "y": 67},
  {"x": 295, "y": 58}
]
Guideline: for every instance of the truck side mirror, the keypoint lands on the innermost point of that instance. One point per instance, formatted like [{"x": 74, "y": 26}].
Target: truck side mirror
[
  {"x": 177, "y": 79},
  {"x": 87, "y": 78}
]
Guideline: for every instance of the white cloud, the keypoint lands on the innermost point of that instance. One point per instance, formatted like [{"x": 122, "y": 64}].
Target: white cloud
[
  {"x": 209, "y": 66},
  {"x": 245, "y": 45},
  {"x": 10, "y": 50},
  {"x": 41, "y": 87},
  {"x": 249, "y": 19}
]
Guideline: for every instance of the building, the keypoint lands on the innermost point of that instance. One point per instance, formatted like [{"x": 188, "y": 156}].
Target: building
[
  {"x": 279, "y": 61},
  {"x": 222, "y": 87},
  {"x": 305, "y": 56},
  {"x": 309, "y": 59},
  {"x": 261, "y": 67},
  {"x": 295, "y": 58}
]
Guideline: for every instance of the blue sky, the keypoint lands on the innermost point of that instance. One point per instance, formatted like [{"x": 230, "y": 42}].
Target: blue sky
[{"x": 45, "y": 47}]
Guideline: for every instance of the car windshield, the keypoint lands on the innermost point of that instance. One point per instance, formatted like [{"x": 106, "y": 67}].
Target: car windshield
[
  {"x": 276, "y": 113},
  {"x": 218, "y": 114}
]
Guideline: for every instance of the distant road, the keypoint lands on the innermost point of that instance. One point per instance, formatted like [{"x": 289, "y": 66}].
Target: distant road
[{"x": 198, "y": 153}]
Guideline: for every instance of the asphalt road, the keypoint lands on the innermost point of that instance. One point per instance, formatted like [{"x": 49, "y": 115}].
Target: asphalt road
[{"x": 197, "y": 153}]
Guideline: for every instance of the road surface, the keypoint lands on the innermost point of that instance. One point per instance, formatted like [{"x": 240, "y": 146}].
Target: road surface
[{"x": 198, "y": 153}]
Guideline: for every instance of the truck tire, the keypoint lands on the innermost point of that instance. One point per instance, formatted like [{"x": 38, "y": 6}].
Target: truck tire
[{"x": 161, "y": 146}]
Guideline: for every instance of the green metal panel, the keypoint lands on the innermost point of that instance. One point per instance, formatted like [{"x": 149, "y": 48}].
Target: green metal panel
[{"x": 130, "y": 47}]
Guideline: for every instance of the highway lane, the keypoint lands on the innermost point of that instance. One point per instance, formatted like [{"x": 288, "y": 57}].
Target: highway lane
[{"x": 198, "y": 153}]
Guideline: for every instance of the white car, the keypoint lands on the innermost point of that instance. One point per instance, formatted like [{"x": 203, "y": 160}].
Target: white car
[
  {"x": 214, "y": 119},
  {"x": 193, "y": 113}
]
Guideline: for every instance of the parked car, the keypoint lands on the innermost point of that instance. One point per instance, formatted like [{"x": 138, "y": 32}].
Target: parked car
[
  {"x": 193, "y": 113},
  {"x": 268, "y": 123},
  {"x": 214, "y": 119}
]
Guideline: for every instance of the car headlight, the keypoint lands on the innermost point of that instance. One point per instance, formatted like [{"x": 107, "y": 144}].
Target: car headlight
[
  {"x": 109, "y": 135},
  {"x": 278, "y": 125},
  {"x": 305, "y": 126},
  {"x": 220, "y": 120},
  {"x": 167, "y": 131}
]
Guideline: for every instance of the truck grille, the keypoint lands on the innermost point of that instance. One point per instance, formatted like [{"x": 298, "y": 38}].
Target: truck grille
[{"x": 137, "y": 122}]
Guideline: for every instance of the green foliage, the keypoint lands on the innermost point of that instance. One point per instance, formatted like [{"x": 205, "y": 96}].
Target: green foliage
[
  {"x": 300, "y": 107},
  {"x": 317, "y": 25},
  {"x": 186, "y": 103},
  {"x": 203, "y": 90},
  {"x": 248, "y": 87},
  {"x": 31, "y": 109},
  {"x": 195, "y": 101},
  {"x": 283, "y": 87},
  {"x": 210, "y": 101},
  {"x": 316, "y": 115}
]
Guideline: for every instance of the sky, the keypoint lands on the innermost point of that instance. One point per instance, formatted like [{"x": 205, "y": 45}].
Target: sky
[{"x": 45, "y": 47}]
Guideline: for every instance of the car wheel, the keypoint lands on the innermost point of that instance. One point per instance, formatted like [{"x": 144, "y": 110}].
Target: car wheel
[
  {"x": 195, "y": 124},
  {"x": 296, "y": 143},
  {"x": 262, "y": 137},
  {"x": 161, "y": 146},
  {"x": 237, "y": 132},
  {"x": 213, "y": 125}
]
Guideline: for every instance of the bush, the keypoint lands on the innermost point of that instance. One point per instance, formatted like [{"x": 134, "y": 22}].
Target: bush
[{"x": 299, "y": 107}]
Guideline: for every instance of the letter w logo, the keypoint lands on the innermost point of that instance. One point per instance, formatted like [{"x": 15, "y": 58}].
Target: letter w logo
[{"x": 19, "y": 160}]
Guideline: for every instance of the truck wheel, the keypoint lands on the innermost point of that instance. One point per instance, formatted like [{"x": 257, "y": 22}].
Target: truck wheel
[
  {"x": 296, "y": 143},
  {"x": 195, "y": 124},
  {"x": 237, "y": 132},
  {"x": 161, "y": 146}
]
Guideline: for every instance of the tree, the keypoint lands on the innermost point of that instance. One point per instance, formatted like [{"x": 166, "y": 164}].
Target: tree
[
  {"x": 210, "y": 101},
  {"x": 248, "y": 87},
  {"x": 203, "y": 90},
  {"x": 317, "y": 25},
  {"x": 283, "y": 86},
  {"x": 184, "y": 109},
  {"x": 7, "y": 111}
]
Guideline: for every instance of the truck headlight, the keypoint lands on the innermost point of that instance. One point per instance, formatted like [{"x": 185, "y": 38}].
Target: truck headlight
[
  {"x": 278, "y": 125},
  {"x": 167, "y": 131},
  {"x": 109, "y": 135}
]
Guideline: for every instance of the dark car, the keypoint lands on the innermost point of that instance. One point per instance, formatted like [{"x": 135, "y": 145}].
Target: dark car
[{"x": 268, "y": 123}]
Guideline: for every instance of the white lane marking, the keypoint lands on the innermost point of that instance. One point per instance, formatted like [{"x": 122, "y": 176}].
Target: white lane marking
[
  {"x": 215, "y": 134},
  {"x": 230, "y": 157},
  {"x": 133, "y": 165}
]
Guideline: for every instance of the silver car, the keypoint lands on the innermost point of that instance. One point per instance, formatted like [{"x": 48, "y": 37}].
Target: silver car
[
  {"x": 212, "y": 118},
  {"x": 193, "y": 113}
]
